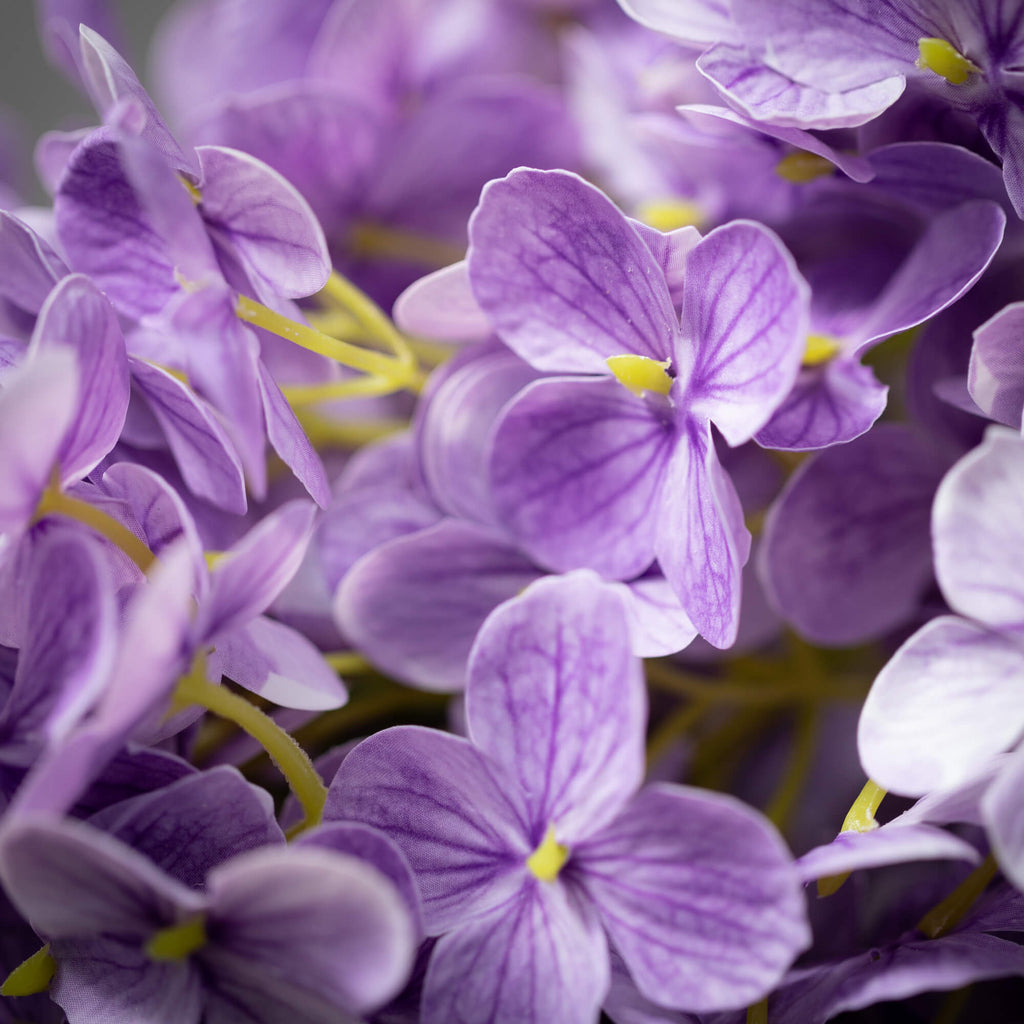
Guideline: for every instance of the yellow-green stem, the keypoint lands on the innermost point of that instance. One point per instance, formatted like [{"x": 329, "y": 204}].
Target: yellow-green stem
[
  {"x": 348, "y": 662},
  {"x": 31, "y": 976},
  {"x": 758, "y": 1013},
  {"x": 945, "y": 916},
  {"x": 859, "y": 818},
  {"x": 785, "y": 799},
  {"x": 55, "y": 502}
]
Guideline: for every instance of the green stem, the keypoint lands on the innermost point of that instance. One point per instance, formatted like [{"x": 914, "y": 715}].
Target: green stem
[
  {"x": 945, "y": 916},
  {"x": 290, "y": 758},
  {"x": 56, "y": 502},
  {"x": 785, "y": 798}
]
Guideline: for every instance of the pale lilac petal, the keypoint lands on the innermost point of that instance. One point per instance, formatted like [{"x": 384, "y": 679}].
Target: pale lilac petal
[
  {"x": 847, "y": 554},
  {"x": 658, "y": 625},
  {"x": 72, "y": 880},
  {"x": 30, "y": 266},
  {"x": 110, "y": 80},
  {"x": 765, "y": 94},
  {"x": 280, "y": 664},
  {"x": 37, "y": 406},
  {"x": 702, "y": 543},
  {"x": 564, "y": 279},
  {"x": 256, "y": 569},
  {"x": 829, "y": 405},
  {"x": 76, "y": 315},
  {"x": 949, "y": 700},
  {"x": 289, "y": 440},
  {"x": 541, "y": 957},
  {"x": 952, "y": 254},
  {"x": 413, "y": 605},
  {"x": 206, "y": 457},
  {"x": 556, "y": 698},
  {"x": 58, "y": 22},
  {"x": 977, "y": 519},
  {"x": 441, "y": 305},
  {"x": 698, "y": 23},
  {"x": 699, "y": 895},
  {"x": 305, "y": 920},
  {"x": 1004, "y": 818},
  {"x": 116, "y": 982},
  {"x": 996, "y": 375},
  {"x": 257, "y": 216},
  {"x": 448, "y": 810},
  {"x": 69, "y": 640},
  {"x": 745, "y": 310},
  {"x": 577, "y": 475},
  {"x": 896, "y": 844},
  {"x": 184, "y": 829}
]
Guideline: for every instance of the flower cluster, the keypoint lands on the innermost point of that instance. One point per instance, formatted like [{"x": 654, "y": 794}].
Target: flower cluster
[{"x": 488, "y": 490}]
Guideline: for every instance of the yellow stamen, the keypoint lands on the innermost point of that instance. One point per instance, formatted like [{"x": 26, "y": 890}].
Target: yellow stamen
[
  {"x": 213, "y": 557},
  {"x": 820, "y": 349},
  {"x": 758, "y": 1013},
  {"x": 639, "y": 374},
  {"x": 327, "y": 433},
  {"x": 379, "y": 242},
  {"x": 549, "y": 858},
  {"x": 31, "y": 976},
  {"x": 669, "y": 214},
  {"x": 939, "y": 56},
  {"x": 801, "y": 167},
  {"x": 178, "y": 941},
  {"x": 193, "y": 192},
  {"x": 860, "y": 818}
]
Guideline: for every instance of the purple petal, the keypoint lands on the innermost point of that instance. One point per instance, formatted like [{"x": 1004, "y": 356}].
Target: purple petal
[
  {"x": 764, "y": 94},
  {"x": 540, "y": 957},
  {"x": 30, "y": 266},
  {"x": 306, "y": 926},
  {"x": 976, "y": 520},
  {"x": 744, "y": 328},
  {"x": 446, "y": 808},
  {"x": 280, "y": 664},
  {"x": 441, "y": 305},
  {"x": 289, "y": 440},
  {"x": 702, "y": 543},
  {"x": 847, "y": 554},
  {"x": 255, "y": 570},
  {"x": 948, "y": 701},
  {"x": 577, "y": 472},
  {"x": 183, "y": 828},
  {"x": 657, "y": 623},
  {"x": 78, "y": 316},
  {"x": 829, "y": 405},
  {"x": 996, "y": 375},
  {"x": 1003, "y": 125},
  {"x": 896, "y": 844},
  {"x": 206, "y": 457},
  {"x": 110, "y": 80},
  {"x": 37, "y": 406},
  {"x": 1004, "y": 818},
  {"x": 258, "y": 217},
  {"x": 563, "y": 277},
  {"x": 697, "y": 24},
  {"x": 556, "y": 698},
  {"x": 699, "y": 895}
]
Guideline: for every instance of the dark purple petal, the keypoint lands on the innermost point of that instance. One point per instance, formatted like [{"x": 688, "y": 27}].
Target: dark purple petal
[
  {"x": 847, "y": 554},
  {"x": 996, "y": 375},
  {"x": 1003, "y": 126},
  {"x": 744, "y": 328},
  {"x": 448, "y": 811},
  {"x": 702, "y": 543},
  {"x": 556, "y": 698},
  {"x": 306, "y": 926},
  {"x": 78, "y": 316},
  {"x": 413, "y": 605},
  {"x": 948, "y": 701},
  {"x": 577, "y": 474},
  {"x": 699, "y": 895},
  {"x": 563, "y": 277},
  {"x": 540, "y": 957}
]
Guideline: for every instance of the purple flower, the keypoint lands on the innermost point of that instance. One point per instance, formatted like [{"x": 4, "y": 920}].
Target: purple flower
[
  {"x": 534, "y": 851},
  {"x": 587, "y": 473}
]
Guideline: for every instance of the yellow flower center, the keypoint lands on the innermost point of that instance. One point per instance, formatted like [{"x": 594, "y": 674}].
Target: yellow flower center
[
  {"x": 639, "y": 374},
  {"x": 549, "y": 858},
  {"x": 939, "y": 56}
]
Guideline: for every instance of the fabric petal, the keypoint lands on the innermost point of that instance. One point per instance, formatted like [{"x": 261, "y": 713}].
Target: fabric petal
[
  {"x": 442, "y": 305},
  {"x": 540, "y": 957},
  {"x": 702, "y": 543},
  {"x": 577, "y": 472},
  {"x": 744, "y": 323},
  {"x": 1004, "y": 818},
  {"x": 699, "y": 895},
  {"x": 976, "y": 520},
  {"x": 996, "y": 375},
  {"x": 30, "y": 266},
  {"x": 657, "y": 623},
  {"x": 413, "y": 605},
  {"x": 564, "y": 279},
  {"x": 948, "y": 700},
  {"x": 556, "y": 698},
  {"x": 698, "y": 24},
  {"x": 447, "y": 809}
]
